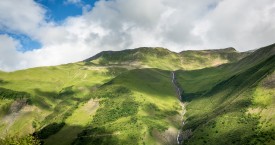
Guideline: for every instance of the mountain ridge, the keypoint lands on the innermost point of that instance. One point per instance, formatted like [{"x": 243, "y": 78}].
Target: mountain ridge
[{"x": 166, "y": 59}]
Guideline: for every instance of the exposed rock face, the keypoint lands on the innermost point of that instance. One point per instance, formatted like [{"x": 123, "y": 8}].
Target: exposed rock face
[
  {"x": 17, "y": 105},
  {"x": 269, "y": 82}
]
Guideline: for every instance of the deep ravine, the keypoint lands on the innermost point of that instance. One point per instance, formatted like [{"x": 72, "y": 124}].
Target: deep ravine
[{"x": 178, "y": 91}]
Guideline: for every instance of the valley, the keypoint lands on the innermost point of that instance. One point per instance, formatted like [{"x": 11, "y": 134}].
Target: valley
[{"x": 144, "y": 96}]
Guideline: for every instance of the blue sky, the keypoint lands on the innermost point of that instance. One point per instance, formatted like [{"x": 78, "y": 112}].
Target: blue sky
[
  {"x": 56, "y": 11},
  {"x": 27, "y": 43}
]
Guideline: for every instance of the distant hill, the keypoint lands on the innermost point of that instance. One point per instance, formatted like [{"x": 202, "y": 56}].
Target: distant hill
[{"x": 163, "y": 58}]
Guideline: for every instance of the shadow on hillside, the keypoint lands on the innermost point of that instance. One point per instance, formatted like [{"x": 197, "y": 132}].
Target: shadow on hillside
[
  {"x": 49, "y": 130},
  {"x": 63, "y": 134},
  {"x": 57, "y": 134},
  {"x": 67, "y": 91},
  {"x": 98, "y": 136},
  {"x": 41, "y": 102},
  {"x": 151, "y": 81},
  {"x": 43, "y": 97},
  {"x": 45, "y": 93},
  {"x": 3, "y": 82},
  {"x": 237, "y": 106},
  {"x": 237, "y": 83},
  {"x": 188, "y": 97}
]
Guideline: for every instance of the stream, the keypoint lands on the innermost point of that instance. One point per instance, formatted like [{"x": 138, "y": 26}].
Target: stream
[{"x": 180, "y": 134}]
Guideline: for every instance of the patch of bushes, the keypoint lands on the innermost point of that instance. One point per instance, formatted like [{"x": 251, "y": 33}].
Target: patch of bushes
[
  {"x": 4, "y": 109},
  {"x": 61, "y": 112},
  {"x": 119, "y": 103},
  {"x": 187, "y": 97},
  {"x": 11, "y": 94},
  {"x": 112, "y": 92},
  {"x": 151, "y": 106},
  {"x": 110, "y": 113},
  {"x": 15, "y": 140},
  {"x": 251, "y": 119},
  {"x": 66, "y": 91}
]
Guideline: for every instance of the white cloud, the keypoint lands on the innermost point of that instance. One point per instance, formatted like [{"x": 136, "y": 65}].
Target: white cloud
[
  {"x": 242, "y": 24},
  {"x": 21, "y": 16},
  {"x": 9, "y": 56},
  {"x": 73, "y": 1},
  {"x": 124, "y": 24}
]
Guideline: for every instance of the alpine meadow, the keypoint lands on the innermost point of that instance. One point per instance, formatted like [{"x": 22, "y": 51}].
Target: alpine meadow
[
  {"x": 144, "y": 96},
  {"x": 137, "y": 72}
]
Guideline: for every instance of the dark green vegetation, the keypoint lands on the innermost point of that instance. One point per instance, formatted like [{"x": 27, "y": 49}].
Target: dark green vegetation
[
  {"x": 49, "y": 130},
  {"x": 127, "y": 97},
  {"x": 15, "y": 140},
  {"x": 10, "y": 94}
]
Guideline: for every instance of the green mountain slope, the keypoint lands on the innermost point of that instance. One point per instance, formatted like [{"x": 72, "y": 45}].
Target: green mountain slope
[
  {"x": 54, "y": 93},
  {"x": 128, "y": 97},
  {"x": 231, "y": 105},
  {"x": 138, "y": 107}
]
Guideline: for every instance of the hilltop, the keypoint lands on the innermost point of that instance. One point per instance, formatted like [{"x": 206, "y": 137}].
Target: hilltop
[{"x": 165, "y": 59}]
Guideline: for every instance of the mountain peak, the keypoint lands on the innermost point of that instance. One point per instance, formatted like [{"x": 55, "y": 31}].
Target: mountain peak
[{"x": 229, "y": 49}]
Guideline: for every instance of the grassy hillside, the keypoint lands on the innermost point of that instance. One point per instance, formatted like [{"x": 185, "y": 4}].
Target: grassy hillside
[
  {"x": 207, "y": 58},
  {"x": 53, "y": 93},
  {"x": 224, "y": 102},
  {"x": 137, "y": 107},
  {"x": 127, "y": 97},
  {"x": 63, "y": 101}
]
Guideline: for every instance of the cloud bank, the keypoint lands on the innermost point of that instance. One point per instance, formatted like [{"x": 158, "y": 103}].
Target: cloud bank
[{"x": 125, "y": 24}]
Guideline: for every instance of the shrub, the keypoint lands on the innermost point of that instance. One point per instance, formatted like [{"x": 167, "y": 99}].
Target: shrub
[
  {"x": 15, "y": 140},
  {"x": 11, "y": 94}
]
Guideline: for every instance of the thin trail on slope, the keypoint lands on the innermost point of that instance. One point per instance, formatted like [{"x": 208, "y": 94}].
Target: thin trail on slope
[{"x": 103, "y": 135}]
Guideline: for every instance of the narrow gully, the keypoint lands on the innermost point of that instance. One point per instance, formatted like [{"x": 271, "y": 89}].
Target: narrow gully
[{"x": 180, "y": 134}]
